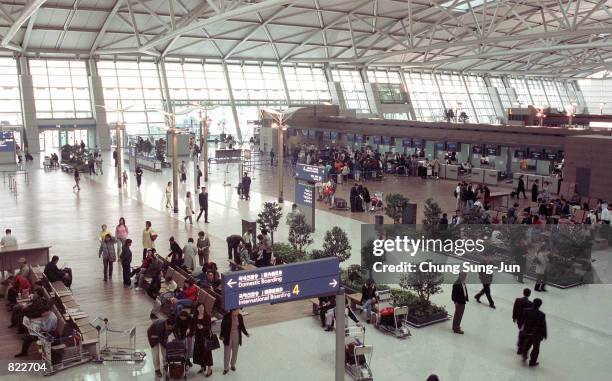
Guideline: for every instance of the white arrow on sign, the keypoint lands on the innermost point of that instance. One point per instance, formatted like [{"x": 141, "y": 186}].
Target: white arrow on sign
[
  {"x": 333, "y": 283},
  {"x": 231, "y": 283}
]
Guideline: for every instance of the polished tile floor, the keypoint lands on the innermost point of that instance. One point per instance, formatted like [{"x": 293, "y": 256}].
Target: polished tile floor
[{"x": 47, "y": 210}]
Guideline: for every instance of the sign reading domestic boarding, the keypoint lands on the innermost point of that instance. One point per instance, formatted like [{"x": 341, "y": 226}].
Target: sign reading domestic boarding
[{"x": 279, "y": 284}]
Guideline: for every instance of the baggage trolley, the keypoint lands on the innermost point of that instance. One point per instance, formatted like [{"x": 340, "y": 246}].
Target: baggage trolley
[
  {"x": 108, "y": 352},
  {"x": 357, "y": 356},
  {"x": 176, "y": 360}
]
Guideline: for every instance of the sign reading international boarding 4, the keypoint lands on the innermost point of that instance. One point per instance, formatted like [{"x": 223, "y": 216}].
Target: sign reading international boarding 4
[{"x": 279, "y": 284}]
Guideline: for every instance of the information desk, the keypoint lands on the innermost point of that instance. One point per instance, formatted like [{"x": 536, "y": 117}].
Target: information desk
[
  {"x": 36, "y": 254},
  {"x": 477, "y": 175},
  {"x": 228, "y": 154},
  {"x": 491, "y": 176}
]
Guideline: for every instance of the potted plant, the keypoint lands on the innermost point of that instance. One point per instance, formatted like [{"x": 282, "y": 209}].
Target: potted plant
[
  {"x": 425, "y": 284},
  {"x": 270, "y": 217},
  {"x": 395, "y": 205}
]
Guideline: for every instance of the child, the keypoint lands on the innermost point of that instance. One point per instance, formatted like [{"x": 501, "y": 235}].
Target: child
[{"x": 125, "y": 177}]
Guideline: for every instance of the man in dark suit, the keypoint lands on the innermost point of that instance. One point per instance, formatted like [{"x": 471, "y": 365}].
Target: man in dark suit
[
  {"x": 460, "y": 297},
  {"x": 534, "y": 329},
  {"x": 232, "y": 247},
  {"x": 246, "y": 186},
  {"x": 518, "y": 314},
  {"x": 203, "y": 201}
]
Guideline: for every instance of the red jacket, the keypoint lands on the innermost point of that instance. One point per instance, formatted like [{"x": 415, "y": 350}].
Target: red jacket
[
  {"x": 22, "y": 283},
  {"x": 191, "y": 293}
]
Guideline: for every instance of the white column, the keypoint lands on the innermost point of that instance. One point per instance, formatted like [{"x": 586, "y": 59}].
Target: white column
[
  {"x": 28, "y": 107},
  {"x": 232, "y": 102},
  {"x": 161, "y": 71},
  {"x": 99, "y": 113},
  {"x": 284, "y": 81}
]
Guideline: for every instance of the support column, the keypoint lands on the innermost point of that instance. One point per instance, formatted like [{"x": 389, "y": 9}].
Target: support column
[
  {"x": 28, "y": 107},
  {"x": 372, "y": 94},
  {"x": 285, "y": 87},
  {"x": 99, "y": 112},
  {"x": 232, "y": 102},
  {"x": 467, "y": 91},
  {"x": 411, "y": 111},
  {"x": 161, "y": 72}
]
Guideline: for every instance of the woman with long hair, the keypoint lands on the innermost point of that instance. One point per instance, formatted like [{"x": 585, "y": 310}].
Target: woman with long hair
[
  {"x": 121, "y": 233},
  {"x": 201, "y": 329}
]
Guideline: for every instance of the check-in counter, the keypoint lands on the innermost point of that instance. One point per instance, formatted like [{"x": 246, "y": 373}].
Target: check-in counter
[
  {"x": 452, "y": 172},
  {"x": 35, "y": 254},
  {"x": 477, "y": 175},
  {"x": 491, "y": 176}
]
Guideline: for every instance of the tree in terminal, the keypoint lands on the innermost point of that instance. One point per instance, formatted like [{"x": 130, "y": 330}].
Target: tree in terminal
[
  {"x": 336, "y": 244},
  {"x": 270, "y": 217},
  {"x": 424, "y": 283},
  {"x": 300, "y": 235},
  {"x": 395, "y": 205}
]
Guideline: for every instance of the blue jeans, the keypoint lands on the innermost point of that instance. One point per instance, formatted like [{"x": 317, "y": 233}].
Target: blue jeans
[
  {"x": 182, "y": 303},
  {"x": 367, "y": 306}
]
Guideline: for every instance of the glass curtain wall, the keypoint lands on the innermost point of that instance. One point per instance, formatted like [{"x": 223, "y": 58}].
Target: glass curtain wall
[
  {"x": 522, "y": 92},
  {"x": 135, "y": 88},
  {"x": 61, "y": 89},
  {"x": 455, "y": 95},
  {"x": 353, "y": 90},
  {"x": 481, "y": 100},
  {"x": 552, "y": 94},
  {"x": 504, "y": 97},
  {"x": 565, "y": 98},
  {"x": 306, "y": 85},
  {"x": 10, "y": 96},
  {"x": 425, "y": 96},
  {"x": 536, "y": 89}
]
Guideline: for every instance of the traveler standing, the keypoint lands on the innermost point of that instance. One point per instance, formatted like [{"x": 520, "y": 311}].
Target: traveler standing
[
  {"x": 460, "y": 298},
  {"x": 77, "y": 180},
  {"x": 246, "y": 186},
  {"x": 168, "y": 193},
  {"x": 148, "y": 239},
  {"x": 138, "y": 177},
  {"x": 203, "y": 201},
  {"x": 126, "y": 261},
  {"x": 535, "y": 191},
  {"x": 521, "y": 187},
  {"x": 201, "y": 328},
  {"x": 188, "y": 208},
  {"x": 157, "y": 335},
  {"x": 518, "y": 315},
  {"x": 121, "y": 233},
  {"x": 109, "y": 255},
  {"x": 541, "y": 262},
  {"x": 232, "y": 328},
  {"x": 535, "y": 331},
  {"x": 203, "y": 245}
]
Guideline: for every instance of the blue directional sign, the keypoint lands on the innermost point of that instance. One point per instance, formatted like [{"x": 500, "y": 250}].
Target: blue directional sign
[
  {"x": 279, "y": 284},
  {"x": 304, "y": 194},
  {"x": 309, "y": 172},
  {"x": 7, "y": 141}
]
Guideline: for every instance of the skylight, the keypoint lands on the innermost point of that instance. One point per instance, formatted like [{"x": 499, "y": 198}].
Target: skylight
[{"x": 464, "y": 5}]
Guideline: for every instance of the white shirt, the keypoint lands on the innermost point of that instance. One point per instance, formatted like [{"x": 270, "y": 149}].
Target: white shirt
[
  {"x": 8, "y": 240},
  {"x": 605, "y": 213}
]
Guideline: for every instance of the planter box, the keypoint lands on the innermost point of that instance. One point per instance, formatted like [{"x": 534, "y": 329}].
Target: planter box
[{"x": 419, "y": 322}]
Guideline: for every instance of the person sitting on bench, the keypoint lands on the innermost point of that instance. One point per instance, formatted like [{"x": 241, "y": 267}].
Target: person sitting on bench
[
  {"x": 19, "y": 285},
  {"x": 54, "y": 274},
  {"x": 368, "y": 298},
  {"x": 48, "y": 325},
  {"x": 186, "y": 298},
  {"x": 164, "y": 297},
  {"x": 245, "y": 255}
]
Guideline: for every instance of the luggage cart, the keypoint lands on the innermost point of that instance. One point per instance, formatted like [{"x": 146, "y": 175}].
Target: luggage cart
[
  {"x": 398, "y": 326},
  {"x": 357, "y": 356},
  {"x": 55, "y": 354},
  {"x": 108, "y": 352},
  {"x": 377, "y": 202}
]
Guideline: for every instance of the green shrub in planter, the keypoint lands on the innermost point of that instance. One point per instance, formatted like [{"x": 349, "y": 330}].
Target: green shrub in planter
[
  {"x": 317, "y": 254},
  {"x": 285, "y": 252},
  {"x": 403, "y": 297}
]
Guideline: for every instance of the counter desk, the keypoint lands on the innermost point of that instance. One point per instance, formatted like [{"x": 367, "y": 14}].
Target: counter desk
[{"x": 35, "y": 253}]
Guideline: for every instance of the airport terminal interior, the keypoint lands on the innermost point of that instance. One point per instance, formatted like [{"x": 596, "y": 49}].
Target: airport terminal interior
[{"x": 193, "y": 189}]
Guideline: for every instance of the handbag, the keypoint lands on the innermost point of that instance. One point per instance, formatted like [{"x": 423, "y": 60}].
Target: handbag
[{"x": 211, "y": 343}]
